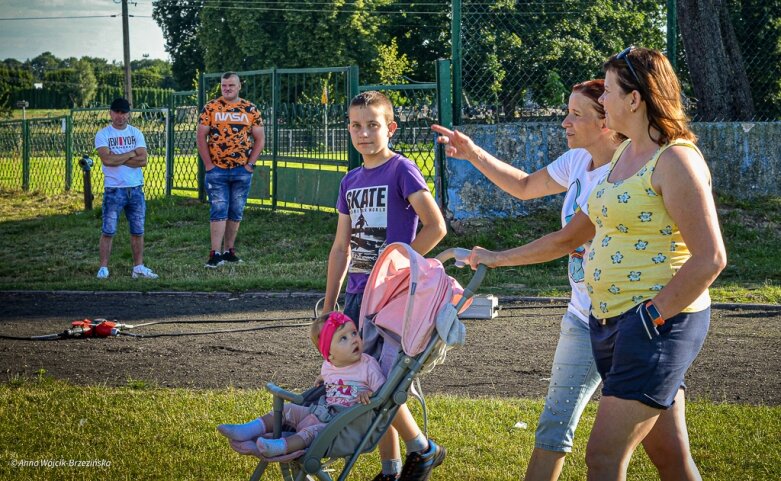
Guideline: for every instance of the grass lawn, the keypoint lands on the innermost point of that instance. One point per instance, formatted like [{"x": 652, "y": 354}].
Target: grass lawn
[
  {"x": 57, "y": 248},
  {"x": 146, "y": 432},
  {"x": 164, "y": 434}
]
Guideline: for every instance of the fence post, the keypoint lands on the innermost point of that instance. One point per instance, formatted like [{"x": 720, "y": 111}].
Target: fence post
[
  {"x": 672, "y": 33},
  {"x": 169, "y": 146},
  {"x": 353, "y": 157},
  {"x": 456, "y": 54},
  {"x": 25, "y": 155},
  {"x": 445, "y": 118},
  {"x": 201, "y": 170},
  {"x": 68, "y": 152},
  {"x": 275, "y": 91}
]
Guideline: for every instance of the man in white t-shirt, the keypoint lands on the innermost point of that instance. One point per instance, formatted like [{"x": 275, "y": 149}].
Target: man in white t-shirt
[{"x": 122, "y": 151}]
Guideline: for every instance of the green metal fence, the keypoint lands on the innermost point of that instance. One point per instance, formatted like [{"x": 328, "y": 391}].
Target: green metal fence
[
  {"x": 307, "y": 146},
  {"x": 516, "y": 61},
  {"x": 418, "y": 106},
  {"x": 151, "y": 122},
  {"x": 11, "y": 152},
  {"x": 307, "y": 152},
  {"x": 182, "y": 159},
  {"x": 48, "y": 163}
]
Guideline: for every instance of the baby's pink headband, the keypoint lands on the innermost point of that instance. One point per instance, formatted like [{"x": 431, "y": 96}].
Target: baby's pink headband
[{"x": 335, "y": 321}]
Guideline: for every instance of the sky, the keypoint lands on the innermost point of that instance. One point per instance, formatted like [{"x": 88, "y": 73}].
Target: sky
[{"x": 65, "y": 37}]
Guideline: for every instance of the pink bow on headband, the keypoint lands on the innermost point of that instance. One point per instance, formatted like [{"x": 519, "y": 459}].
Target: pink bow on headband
[{"x": 335, "y": 321}]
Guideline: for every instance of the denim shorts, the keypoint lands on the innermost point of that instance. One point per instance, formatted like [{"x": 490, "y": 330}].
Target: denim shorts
[
  {"x": 352, "y": 306},
  {"x": 129, "y": 199},
  {"x": 574, "y": 378},
  {"x": 228, "y": 190},
  {"x": 643, "y": 362}
]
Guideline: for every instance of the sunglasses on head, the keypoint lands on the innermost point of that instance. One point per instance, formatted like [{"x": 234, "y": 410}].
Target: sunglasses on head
[{"x": 624, "y": 55}]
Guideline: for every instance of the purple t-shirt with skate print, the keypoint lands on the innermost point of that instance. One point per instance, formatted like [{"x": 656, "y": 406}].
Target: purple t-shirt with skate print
[{"x": 376, "y": 201}]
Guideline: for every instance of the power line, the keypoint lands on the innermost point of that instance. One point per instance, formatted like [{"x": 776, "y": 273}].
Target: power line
[
  {"x": 77, "y": 16},
  {"x": 365, "y": 12},
  {"x": 57, "y": 18}
]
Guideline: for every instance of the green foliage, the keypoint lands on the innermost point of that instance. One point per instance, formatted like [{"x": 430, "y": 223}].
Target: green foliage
[
  {"x": 309, "y": 33},
  {"x": 278, "y": 256},
  {"x": 74, "y": 82},
  {"x": 512, "y": 46},
  {"x": 179, "y": 20},
  {"x": 553, "y": 93},
  {"x": 757, "y": 25},
  {"x": 391, "y": 65},
  {"x": 77, "y": 84}
]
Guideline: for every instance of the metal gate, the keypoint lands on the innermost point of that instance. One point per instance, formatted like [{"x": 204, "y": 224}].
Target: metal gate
[
  {"x": 417, "y": 106},
  {"x": 182, "y": 155},
  {"x": 306, "y": 151}
]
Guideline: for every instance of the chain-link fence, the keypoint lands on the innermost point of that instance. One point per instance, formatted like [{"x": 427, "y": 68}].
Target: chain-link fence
[
  {"x": 516, "y": 61},
  {"x": 49, "y": 163},
  {"x": 415, "y": 110},
  {"x": 183, "y": 157},
  {"x": 151, "y": 122},
  {"x": 306, "y": 149},
  {"x": 11, "y": 153}
]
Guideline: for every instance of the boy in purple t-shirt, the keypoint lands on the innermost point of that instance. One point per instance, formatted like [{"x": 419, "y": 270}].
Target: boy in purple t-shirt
[{"x": 380, "y": 203}]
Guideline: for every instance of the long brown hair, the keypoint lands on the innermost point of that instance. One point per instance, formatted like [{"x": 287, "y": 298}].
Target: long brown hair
[{"x": 655, "y": 80}]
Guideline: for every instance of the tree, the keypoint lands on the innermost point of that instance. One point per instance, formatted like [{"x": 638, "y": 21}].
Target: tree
[
  {"x": 309, "y": 33},
  {"x": 390, "y": 65},
  {"x": 758, "y": 30},
  {"x": 78, "y": 83},
  {"x": 510, "y": 47},
  {"x": 43, "y": 63},
  {"x": 714, "y": 61},
  {"x": 13, "y": 77},
  {"x": 179, "y": 20},
  {"x": 422, "y": 33}
]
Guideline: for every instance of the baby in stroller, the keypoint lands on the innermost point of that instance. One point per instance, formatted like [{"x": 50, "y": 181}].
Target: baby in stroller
[{"x": 349, "y": 375}]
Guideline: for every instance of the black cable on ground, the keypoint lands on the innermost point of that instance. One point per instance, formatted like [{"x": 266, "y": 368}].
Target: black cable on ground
[
  {"x": 280, "y": 324},
  {"x": 199, "y": 333}
]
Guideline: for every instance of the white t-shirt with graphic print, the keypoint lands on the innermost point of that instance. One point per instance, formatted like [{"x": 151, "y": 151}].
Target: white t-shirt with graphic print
[
  {"x": 571, "y": 170},
  {"x": 120, "y": 142}
]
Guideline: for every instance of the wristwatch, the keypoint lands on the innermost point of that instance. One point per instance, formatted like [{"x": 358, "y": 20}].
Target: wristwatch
[{"x": 654, "y": 314}]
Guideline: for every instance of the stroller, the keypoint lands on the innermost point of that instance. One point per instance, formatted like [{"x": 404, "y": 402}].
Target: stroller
[{"x": 409, "y": 301}]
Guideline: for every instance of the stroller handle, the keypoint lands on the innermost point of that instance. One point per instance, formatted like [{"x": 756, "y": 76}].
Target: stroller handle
[{"x": 461, "y": 255}]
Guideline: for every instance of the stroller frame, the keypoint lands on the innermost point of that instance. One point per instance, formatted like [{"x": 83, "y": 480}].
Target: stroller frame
[{"x": 385, "y": 403}]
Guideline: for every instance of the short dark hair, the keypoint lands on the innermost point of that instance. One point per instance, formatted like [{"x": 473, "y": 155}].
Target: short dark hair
[
  {"x": 120, "y": 104},
  {"x": 373, "y": 97},
  {"x": 228, "y": 75}
]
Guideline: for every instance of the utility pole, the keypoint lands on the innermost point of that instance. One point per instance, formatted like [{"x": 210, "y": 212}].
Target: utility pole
[{"x": 126, "y": 45}]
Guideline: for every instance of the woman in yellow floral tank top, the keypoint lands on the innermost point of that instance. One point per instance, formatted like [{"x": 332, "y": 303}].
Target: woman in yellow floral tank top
[{"x": 656, "y": 249}]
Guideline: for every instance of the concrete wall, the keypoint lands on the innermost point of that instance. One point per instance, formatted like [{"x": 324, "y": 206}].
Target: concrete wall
[{"x": 744, "y": 158}]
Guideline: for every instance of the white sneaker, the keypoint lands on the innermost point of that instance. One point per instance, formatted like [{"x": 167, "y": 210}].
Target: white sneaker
[
  {"x": 103, "y": 273},
  {"x": 143, "y": 272}
]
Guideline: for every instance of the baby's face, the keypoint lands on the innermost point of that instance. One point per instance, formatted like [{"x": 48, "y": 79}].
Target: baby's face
[{"x": 346, "y": 346}]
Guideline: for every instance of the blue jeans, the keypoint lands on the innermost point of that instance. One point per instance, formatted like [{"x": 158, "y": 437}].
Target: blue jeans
[
  {"x": 129, "y": 199},
  {"x": 574, "y": 378},
  {"x": 352, "y": 306},
  {"x": 228, "y": 190}
]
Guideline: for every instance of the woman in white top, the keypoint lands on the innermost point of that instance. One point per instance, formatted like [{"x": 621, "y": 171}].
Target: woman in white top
[{"x": 574, "y": 376}]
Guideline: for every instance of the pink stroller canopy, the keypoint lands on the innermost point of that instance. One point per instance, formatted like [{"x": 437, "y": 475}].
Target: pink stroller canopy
[{"x": 405, "y": 292}]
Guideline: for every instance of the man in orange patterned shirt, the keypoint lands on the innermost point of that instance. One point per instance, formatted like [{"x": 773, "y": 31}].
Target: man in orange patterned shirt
[{"x": 230, "y": 138}]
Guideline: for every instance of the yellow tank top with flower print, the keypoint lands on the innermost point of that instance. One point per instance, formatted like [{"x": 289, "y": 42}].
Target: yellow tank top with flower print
[{"x": 637, "y": 248}]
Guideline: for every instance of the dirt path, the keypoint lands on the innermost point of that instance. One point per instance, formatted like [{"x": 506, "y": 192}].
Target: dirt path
[{"x": 506, "y": 356}]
